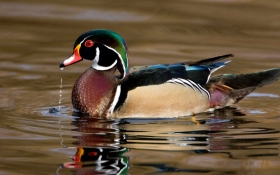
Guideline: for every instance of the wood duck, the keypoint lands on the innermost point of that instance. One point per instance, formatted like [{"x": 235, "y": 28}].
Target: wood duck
[{"x": 109, "y": 88}]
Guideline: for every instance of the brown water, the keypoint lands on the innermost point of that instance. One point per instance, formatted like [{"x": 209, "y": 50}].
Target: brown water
[{"x": 36, "y": 36}]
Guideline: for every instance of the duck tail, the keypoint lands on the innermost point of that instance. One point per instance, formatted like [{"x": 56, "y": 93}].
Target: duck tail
[
  {"x": 227, "y": 89},
  {"x": 208, "y": 61}
]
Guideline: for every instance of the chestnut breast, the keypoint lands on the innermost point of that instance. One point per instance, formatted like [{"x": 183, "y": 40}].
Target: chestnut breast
[{"x": 94, "y": 91}]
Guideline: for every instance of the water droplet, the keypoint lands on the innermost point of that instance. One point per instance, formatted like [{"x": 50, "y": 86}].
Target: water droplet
[
  {"x": 61, "y": 68},
  {"x": 60, "y": 94}
]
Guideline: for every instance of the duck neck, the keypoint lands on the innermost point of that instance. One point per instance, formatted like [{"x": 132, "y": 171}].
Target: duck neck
[{"x": 95, "y": 92}]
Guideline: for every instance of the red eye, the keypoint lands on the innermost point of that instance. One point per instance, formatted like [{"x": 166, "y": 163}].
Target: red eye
[
  {"x": 89, "y": 43},
  {"x": 93, "y": 154}
]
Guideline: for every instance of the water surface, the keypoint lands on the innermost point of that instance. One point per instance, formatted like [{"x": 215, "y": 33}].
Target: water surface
[{"x": 35, "y": 37}]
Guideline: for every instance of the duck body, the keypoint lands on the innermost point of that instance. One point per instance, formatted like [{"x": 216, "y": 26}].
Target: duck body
[
  {"x": 100, "y": 89},
  {"x": 161, "y": 101},
  {"x": 110, "y": 89}
]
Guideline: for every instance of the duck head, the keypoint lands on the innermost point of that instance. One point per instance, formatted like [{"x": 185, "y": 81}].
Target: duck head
[
  {"x": 106, "y": 49},
  {"x": 97, "y": 90}
]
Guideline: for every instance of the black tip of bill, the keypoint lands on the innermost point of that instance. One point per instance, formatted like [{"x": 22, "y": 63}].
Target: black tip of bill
[{"x": 61, "y": 66}]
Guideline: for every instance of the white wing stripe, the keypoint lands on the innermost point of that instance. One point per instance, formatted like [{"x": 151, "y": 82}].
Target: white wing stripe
[
  {"x": 176, "y": 81},
  {"x": 188, "y": 83},
  {"x": 207, "y": 93},
  {"x": 191, "y": 84}
]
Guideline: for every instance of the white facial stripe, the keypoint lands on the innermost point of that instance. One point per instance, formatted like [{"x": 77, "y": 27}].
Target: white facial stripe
[
  {"x": 97, "y": 55},
  {"x": 116, "y": 99},
  {"x": 85, "y": 39},
  {"x": 98, "y": 67},
  {"x": 120, "y": 57},
  {"x": 96, "y": 60},
  {"x": 111, "y": 49}
]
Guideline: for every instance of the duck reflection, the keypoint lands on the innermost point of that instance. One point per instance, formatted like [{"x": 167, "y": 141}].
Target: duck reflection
[
  {"x": 103, "y": 145},
  {"x": 99, "y": 161},
  {"x": 98, "y": 148},
  {"x": 96, "y": 132}
]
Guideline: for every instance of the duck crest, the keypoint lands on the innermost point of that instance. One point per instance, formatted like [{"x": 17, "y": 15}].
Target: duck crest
[{"x": 94, "y": 92}]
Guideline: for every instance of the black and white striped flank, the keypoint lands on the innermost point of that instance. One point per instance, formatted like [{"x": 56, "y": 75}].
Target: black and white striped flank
[{"x": 190, "y": 83}]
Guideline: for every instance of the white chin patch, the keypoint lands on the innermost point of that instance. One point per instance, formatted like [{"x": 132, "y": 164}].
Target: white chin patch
[{"x": 96, "y": 60}]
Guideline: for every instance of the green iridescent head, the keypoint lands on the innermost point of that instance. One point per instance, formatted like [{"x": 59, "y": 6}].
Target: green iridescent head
[{"x": 105, "y": 48}]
